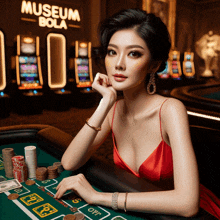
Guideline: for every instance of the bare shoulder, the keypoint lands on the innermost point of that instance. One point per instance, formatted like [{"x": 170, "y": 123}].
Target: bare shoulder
[
  {"x": 173, "y": 107},
  {"x": 173, "y": 113},
  {"x": 175, "y": 121}
]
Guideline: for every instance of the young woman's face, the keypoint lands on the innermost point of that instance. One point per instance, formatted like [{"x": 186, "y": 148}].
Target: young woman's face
[{"x": 128, "y": 60}]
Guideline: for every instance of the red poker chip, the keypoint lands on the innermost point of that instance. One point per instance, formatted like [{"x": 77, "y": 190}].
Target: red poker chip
[
  {"x": 17, "y": 158},
  {"x": 21, "y": 175},
  {"x": 18, "y": 162},
  {"x": 18, "y": 165}
]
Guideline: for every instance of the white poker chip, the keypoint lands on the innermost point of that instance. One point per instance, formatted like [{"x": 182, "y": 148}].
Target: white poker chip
[{"x": 31, "y": 160}]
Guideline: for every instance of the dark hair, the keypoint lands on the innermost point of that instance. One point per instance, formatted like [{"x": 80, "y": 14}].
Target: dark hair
[{"x": 149, "y": 27}]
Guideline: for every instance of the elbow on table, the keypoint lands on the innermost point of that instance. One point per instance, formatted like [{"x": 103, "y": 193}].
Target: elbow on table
[
  {"x": 66, "y": 165},
  {"x": 189, "y": 209}
]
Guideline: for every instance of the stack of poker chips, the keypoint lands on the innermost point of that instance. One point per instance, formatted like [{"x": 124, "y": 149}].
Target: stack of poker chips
[
  {"x": 20, "y": 171},
  {"x": 31, "y": 160},
  {"x": 7, "y": 154},
  {"x": 41, "y": 173},
  {"x": 52, "y": 172},
  {"x": 59, "y": 166}
]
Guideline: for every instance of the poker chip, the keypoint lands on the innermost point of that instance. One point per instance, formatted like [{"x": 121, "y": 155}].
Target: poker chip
[
  {"x": 18, "y": 162},
  {"x": 59, "y": 166},
  {"x": 13, "y": 196},
  {"x": 30, "y": 182},
  {"x": 79, "y": 216},
  {"x": 20, "y": 171},
  {"x": 7, "y": 154},
  {"x": 41, "y": 173},
  {"x": 31, "y": 160},
  {"x": 41, "y": 187},
  {"x": 73, "y": 209},
  {"x": 52, "y": 172},
  {"x": 69, "y": 217}
]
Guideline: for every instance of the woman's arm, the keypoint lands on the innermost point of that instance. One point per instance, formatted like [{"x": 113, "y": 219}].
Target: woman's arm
[
  {"x": 88, "y": 139},
  {"x": 184, "y": 199}
]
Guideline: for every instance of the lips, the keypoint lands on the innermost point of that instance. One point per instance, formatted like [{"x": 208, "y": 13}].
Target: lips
[{"x": 120, "y": 77}]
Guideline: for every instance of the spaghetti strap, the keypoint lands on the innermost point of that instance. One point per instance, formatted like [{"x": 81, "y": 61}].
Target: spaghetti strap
[
  {"x": 160, "y": 119},
  {"x": 113, "y": 115}
]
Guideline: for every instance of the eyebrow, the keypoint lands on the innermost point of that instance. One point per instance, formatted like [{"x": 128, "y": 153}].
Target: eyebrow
[{"x": 130, "y": 46}]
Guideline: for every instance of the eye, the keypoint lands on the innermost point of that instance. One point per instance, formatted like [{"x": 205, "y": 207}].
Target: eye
[
  {"x": 111, "y": 52},
  {"x": 135, "y": 54}
]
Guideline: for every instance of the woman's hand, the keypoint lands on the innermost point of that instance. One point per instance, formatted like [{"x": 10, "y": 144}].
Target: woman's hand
[
  {"x": 102, "y": 85},
  {"x": 79, "y": 185}
]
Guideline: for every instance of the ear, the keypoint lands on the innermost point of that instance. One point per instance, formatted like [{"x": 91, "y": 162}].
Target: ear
[{"x": 155, "y": 65}]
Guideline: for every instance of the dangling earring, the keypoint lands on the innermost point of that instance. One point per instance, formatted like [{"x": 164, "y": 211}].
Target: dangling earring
[{"x": 151, "y": 83}]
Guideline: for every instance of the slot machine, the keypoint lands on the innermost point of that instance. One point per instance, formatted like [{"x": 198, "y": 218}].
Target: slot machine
[
  {"x": 84, "y": 96},
  {"x": 188, "y": 65},
  {"x": 164, "y": 82},
  {"x": 165, "y": 74},
  {"x": 4, "y": 97},
  {"x": 176, "y": 71},
  {"x": 28, "y": 66},
  {"x": 83, "y": 66},
  {"x": 29, "y": 96}
]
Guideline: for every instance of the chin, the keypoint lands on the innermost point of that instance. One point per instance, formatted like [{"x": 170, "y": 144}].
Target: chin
[
  {"x": 119, "y": 86},
  {"x": 124, "y": 86}
]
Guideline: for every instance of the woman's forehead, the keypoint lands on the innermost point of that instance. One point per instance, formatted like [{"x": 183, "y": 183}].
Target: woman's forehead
[{"x": 127, "y": 37}]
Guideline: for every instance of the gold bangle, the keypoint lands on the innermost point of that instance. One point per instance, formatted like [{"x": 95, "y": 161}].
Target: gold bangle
[
  {"x": 94, "y": 128},
  {"x": 126, "y": 194}
]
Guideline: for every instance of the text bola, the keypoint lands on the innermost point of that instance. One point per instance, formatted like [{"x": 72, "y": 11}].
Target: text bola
[{"x": 48, "y": 14}]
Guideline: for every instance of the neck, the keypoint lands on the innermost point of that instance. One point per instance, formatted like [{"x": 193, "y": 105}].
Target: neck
[{"x": 136, "y": 99}]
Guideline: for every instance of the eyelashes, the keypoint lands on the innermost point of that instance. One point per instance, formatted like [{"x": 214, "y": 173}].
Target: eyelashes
[
  {"x": 111, "y": 52},
  {"x": 132, "y": 54},
  {"x": 135, "y": 54}
]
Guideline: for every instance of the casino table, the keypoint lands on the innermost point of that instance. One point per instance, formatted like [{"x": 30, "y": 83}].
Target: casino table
[
  {"x": 202, "y": 102},
  {"x": 37, "y": 202}
]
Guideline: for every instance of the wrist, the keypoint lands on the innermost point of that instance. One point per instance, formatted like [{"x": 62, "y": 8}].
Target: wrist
[
  {"x": 107, "y": 101},
  {"x": 104, "y": 199}
]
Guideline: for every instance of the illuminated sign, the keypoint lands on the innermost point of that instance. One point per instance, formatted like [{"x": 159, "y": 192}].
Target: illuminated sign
[{"x": 51, "y": 16}]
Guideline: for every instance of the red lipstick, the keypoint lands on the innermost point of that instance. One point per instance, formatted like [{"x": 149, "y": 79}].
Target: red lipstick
[{"x": 120, "y": 77}]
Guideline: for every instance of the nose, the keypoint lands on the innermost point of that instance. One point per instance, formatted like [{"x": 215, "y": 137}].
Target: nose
[{"x": 120, "y": 64}]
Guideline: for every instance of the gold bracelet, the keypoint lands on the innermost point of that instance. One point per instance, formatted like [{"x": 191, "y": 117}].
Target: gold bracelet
[
  {"x": 94, "y": 128},
  {"x": 126, "y": 194}
]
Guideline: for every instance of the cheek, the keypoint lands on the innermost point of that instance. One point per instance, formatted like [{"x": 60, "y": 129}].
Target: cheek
[
  {"x": 140, "y": 65},
  {"x": 108, "y": 64}
]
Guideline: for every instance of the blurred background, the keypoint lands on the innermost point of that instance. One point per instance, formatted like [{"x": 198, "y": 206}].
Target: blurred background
[{"x": 50, "y": 53}]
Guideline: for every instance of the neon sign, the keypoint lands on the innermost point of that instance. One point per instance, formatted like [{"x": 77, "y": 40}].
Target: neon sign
[{"x": 48, "y": 15}]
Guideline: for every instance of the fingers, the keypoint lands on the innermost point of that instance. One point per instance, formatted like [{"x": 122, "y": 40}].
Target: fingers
[
  {"x": 69, "y": 183},
  {"x": 62, "y": 187},
  {"x": 103, "y": 85},
  {"x": 60, "y": 192},
  {"x": 101, "y": 79}
]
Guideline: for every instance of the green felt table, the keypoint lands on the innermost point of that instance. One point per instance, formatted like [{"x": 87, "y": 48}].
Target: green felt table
[
  {"x": 37, "y": 203},
  {"x": 213, "y": 95}
]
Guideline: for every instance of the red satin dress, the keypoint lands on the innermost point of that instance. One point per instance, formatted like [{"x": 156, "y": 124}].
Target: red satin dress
[{"x": 159, "y": 165}]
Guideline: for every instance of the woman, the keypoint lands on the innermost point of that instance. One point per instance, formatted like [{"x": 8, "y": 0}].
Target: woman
[{"x": 150, "y": 132}]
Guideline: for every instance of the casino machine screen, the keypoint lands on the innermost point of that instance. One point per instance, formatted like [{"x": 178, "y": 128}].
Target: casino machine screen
[
  {"x": 29, "y": 77},
  {"x": 83, "y": 72},
  {"x": 166, "y": 72},
  {"x": 83, "y": 64},
  {"x": 175, "y": 63},
  {"x": 188, "y": 65}
]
